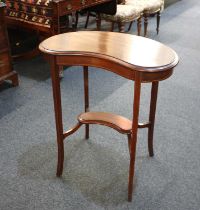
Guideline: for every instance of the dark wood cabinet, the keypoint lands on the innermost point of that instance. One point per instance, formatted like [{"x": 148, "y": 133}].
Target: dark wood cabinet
[{"x": 6, "y": 69}]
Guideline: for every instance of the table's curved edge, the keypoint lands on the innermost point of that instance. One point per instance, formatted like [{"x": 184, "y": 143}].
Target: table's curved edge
[{"x": 111, "y": 59}]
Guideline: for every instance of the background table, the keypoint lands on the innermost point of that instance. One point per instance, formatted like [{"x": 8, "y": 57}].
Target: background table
[{"x": 133, "y": 57}]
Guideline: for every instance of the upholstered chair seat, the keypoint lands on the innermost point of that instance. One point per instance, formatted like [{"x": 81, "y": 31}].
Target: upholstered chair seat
[
  {"x": 149, "y": 7},
  {"x": 124, "y": 14}
]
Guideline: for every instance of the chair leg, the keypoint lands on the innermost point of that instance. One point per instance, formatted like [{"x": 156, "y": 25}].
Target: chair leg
[
  {"x": 98, "y": 21},
  {"x": 139, "y": 26},
  {"x": 130, "y": 25},
  {"x": 121, "y": 27},
  {"x": 87, "y": 20},
  {"x": 76, "y": 20},
  {"x": 145, "y": 24},
  {"x": 86, "y": 97},
  {"x": 154, "y": 93},
  {"x": 158, "y": 21},
  {"x": 112, "y": 26}
]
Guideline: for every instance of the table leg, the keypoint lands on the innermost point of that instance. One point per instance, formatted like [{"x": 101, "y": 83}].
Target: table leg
[
  {"x": 154, "y": 93},
  {"x": 86, "y": 97},
  {"x": 136, "y": 106},
  {"x": 129, "y": 142},
  {"x": 58, "y": 114}
]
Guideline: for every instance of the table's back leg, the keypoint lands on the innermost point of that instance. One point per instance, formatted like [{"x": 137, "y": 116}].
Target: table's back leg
[
  {"x": 86, "y": 97},
  {"x": 136, "y": 106},
  {"x": 58, "y": 114},
  {"x": 154, "y": 93},
  {"x": 129, "y": 142}
]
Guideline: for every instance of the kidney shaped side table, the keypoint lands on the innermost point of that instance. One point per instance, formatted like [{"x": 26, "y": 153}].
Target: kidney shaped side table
[{"x": 132, "y": 57}]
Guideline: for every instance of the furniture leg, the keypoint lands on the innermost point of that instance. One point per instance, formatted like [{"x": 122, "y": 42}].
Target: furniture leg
[
  {"x": 136, "y": 105},
  {"x": 129, "y": 141},
  {"x": 154, "y": 94},
  {"x": 121, "y": 27},
  {"x": 86, "y": 97},
  {"x": 76, "y": 20},
  {"x": 139, "y": 26},
  {"x": 112, "y": 26},
  {"x": 145, "y": 24},
  {"x": 88, "y": 16},
  {"x": 58, "y": 114},
  {"x": 130, "y": 25},
  {"x": 98, "y": 21},
  {"x": 158, "y": 21},
  {"x": 14, "y": 79}
]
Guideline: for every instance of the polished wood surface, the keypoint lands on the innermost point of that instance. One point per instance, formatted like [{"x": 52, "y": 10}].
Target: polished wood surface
[
  {"x": 142, "y": 52},
  {"x": 60, "y": 8},
  {"x": 119, "y": 123},
  {"x": 135, "y": 58},
  {"x": 6, "y": 71}
]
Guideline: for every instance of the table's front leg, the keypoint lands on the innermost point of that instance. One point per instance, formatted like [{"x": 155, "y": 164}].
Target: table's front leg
[
  {"x": 58, "y": 113},
  {"x": 133, "y": 142}
]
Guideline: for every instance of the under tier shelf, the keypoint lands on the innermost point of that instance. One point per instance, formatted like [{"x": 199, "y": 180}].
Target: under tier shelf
[{"x": 117, "y": 122}]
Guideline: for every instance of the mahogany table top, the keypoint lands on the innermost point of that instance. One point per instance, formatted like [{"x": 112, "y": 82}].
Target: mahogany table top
[{"x": 142, "y": 54}]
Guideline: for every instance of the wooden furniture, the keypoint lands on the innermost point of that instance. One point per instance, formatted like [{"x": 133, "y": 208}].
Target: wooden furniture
[
  {"x": 125, "y": 14},
  {"x": 150, "y": 7},
  {"x": 95, "y": 11},
  {"x": 136, "y": 58},
  {"x": 48, "y": 17},
  {"x": 6, "y": 71}
]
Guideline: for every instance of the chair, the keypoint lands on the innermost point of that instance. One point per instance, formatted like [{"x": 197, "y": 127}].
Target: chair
[
  {"x": 95, "y": 11},
  {"x": 150, "y": 7},
  {"x": 125, "y": 14}
]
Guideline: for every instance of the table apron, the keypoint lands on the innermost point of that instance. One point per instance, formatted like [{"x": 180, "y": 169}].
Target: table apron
[
  {"x": 111, "y": 65},
  {"x": 156, "y": 76}
]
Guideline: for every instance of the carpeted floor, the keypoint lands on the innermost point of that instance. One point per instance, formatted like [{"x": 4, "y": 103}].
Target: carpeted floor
[{"x": 96, "y": 171}]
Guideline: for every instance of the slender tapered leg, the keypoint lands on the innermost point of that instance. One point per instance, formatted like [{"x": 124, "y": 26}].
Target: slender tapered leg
[
  {"x": 87, "y": 19},
  {"x": 158, "y": 21},
  {"x": 145, "y": 24},
  {"x": 129, "y": 142},
  {"x": 98, "y": 21},
  {"x": 86, "y": 97},
  {"x": 154, "y": 93},
  {"x": 130, "y": 25},
  {"x": 136, "y": 104},
  {"x": 112, "y": 26},
  {"x": 58, "y": 113},
  {"x": 76, "y": 20},
  {"x": 121, "y": 27},
  {"x": 139, "y": 26}
]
